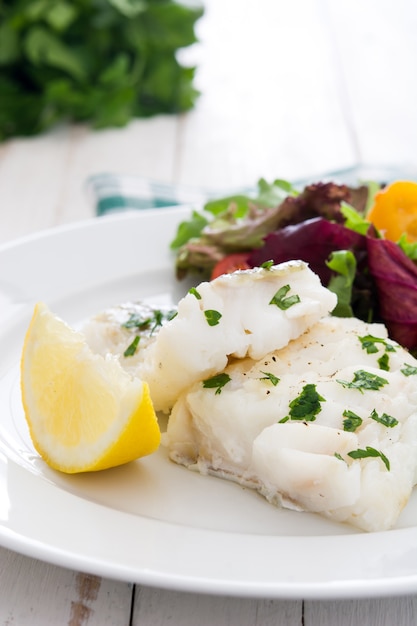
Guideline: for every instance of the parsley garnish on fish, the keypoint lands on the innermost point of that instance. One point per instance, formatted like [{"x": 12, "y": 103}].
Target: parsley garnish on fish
[
  {"x": 408, "y": 370},
  {"x": 369, "y": 343},
  {"x": 149, "y": 322},
  {"x": 131, "y": 349},
  {"x": 137, "y": 321},
  {"x": 281, "y": 301},
  {"x": 213, "y": 317},
  {"x": 307, "y": 405},
  {"x": 384, "y": 419},
  {"x": 195, "y": 293},
  {"x": 271, "y": 377},
  {"x": 352, "y": 421},
  {"x": 364, "y": 380},
  {"x": 217, "y": 382},
  {"x": 383, "y": 362},
  {"x": 369, "y": 452}
]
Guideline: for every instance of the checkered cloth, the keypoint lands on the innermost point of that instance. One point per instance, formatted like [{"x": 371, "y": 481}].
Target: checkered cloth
[{"x": 111, "y": 193}]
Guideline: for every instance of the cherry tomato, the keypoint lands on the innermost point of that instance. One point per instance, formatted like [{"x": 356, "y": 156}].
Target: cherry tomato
[{"x": 231, "y": 263}]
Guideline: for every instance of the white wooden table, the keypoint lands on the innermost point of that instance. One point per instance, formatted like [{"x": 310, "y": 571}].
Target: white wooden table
[{"x": 290, "y": 89}]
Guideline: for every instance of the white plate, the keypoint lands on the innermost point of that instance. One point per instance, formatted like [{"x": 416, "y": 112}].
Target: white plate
[{"x": 153, "y": 522}]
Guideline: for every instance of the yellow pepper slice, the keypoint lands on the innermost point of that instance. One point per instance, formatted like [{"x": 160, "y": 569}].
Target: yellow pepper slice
[{"x": 394, "y": 211}]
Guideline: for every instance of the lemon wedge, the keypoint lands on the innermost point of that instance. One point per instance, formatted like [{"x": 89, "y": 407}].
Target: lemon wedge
[{"x": 84, "y": 412}]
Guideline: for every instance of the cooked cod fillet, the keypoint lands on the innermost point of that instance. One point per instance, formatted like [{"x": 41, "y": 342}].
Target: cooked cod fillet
[
  {"x": 126, "y": 330},
  {"x": 327, "y": 423},
  {"x": 247, "y": 313}
]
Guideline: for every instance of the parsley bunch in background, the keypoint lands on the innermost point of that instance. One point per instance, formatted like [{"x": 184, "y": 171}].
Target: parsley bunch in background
[{"x": 97, "y": 61}]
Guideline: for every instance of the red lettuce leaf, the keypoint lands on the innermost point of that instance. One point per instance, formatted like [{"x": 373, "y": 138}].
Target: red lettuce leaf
[
  {"x": 395, "y": 277},
  {"x": 321, "y": 200},
  {"x": 311, "y": 241}
]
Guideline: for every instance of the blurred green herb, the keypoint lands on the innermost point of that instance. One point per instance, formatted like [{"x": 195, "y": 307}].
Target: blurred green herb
[
  {"x": 97, "y": 61},
  {"x": 131, "y": 349}
]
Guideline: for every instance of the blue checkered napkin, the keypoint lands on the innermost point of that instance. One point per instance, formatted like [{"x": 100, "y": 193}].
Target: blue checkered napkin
[{"x": 112, "y": 193}]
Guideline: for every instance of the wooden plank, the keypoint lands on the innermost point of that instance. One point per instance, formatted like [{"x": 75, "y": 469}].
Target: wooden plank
[
  {"x": 155, "y": 607},
  {"x": 377, "y": 49},
  {"x": 271, "y": 101},
  {"x": 367, "y": 612},
  {"x": 42, "y": 179},
  {"x": 32, "y": 172},
  {"x": 33, "y": 592}
]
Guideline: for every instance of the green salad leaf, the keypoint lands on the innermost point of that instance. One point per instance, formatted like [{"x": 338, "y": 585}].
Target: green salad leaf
[
  {"x": 353, "y": 219},
  {"x": 409, "y": 248},
  {"x": 343, "y": 262},
  {"x": 189, "y": 229},
  {"x": 233, "y": 223}
]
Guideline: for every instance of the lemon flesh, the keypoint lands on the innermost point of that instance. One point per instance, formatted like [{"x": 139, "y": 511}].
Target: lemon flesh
[{"x": 84, "y": 412}]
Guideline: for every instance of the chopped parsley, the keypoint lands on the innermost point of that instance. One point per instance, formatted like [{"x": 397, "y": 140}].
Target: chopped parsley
[
  {"x": 137, "y": 321},
  {"x": 384, "y": 419},
  {"x": 307, "y": 405},
  {"x": 281, "y": 301},
  {"x": 193, "y": 291},
  {"x": 149, "y": 322},
  {"x": 212, "y": 317},
  {"x": 369, "y": 344},
  {"x": 267, "y": 265},
  {"x": 369, "y": 452},
  {"x": 131, "y": 349},
  {"x": 408, "y": 370},
  {"x": 364, "y": 380},
  {"x": 271, "y": 377},
  {"x": 158, "y": 319},
  {"x": 383, "y": 362},
  {"x": 217, "y": 382},
  {"x": 339, "y": 456},
  {"x": 145, "y": 324},
  {"x": 352, "y": 421}
]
